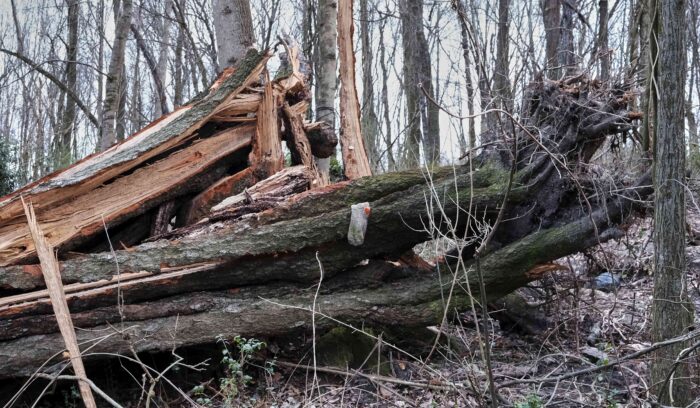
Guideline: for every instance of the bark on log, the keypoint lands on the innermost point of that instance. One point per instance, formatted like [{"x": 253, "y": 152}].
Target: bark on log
[
  {"x": 380, "y": 294},
  {"x": 314, "y": 220}
]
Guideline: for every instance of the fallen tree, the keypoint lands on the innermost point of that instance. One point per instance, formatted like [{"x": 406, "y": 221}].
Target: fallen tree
[{"x": 237, "y": 252}]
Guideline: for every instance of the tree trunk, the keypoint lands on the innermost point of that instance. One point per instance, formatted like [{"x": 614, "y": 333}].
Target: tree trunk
[
  {"x": 326, "y": 78},
  {"x": 264, "y": 241},
  {"x": 162, "y": 62},
  {"x": 567, "y": 56},
  {"x": 501, "y": 75},
  {"x": 388, "y": 141},
  {"x": 672, "y": 312},
  {"x": 602, "y": 46},
  {"x": 115, "y": 78},
  {"x": 423, "y": 114},
  {"x": 370, "y": 123},
  {"x": 552, "y": 23},
  {"x": 650, "y": 21},
  {"x": 458, "y": 5},
  {"x": 63, "y": 147},
  {"x": 233, "y": 23}
]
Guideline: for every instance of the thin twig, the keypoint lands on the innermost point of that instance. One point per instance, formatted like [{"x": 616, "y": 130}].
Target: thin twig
[
  {"x": 89, "y": 382},
  {"x": 686, "y": 337}
]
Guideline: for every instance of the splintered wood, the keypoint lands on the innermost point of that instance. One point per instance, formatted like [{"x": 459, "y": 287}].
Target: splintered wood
[
  {"x": 176, "y": 168},
  {"x": 131, "y": 194},
  {"x": 65, "y": 194},
  {"x": 352, "y": 145},
  {"x": 52, "y": 277},
  {"x": 266, "y": 157}
]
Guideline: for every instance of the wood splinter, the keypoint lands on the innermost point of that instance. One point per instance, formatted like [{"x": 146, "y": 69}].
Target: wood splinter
[{"x": 52, "y": 276}]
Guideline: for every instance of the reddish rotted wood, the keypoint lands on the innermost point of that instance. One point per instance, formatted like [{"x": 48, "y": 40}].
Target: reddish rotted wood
[{"x": 200, "y": 206}]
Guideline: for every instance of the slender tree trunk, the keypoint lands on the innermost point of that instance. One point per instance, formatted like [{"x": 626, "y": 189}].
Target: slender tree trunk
[
  {"x": 501, "y": 81},
  {"x": 603, "y": 51},
  {"x": 633, "y": 42},
  {"x": 672, "y": 313},
  {"x": 694, "y": 137},
  {"x": 195, "y": 58},
  {"x": 162, "y": 62},
  {"x": 179, "y": 77},
  {"x": 115, "y": 78},
  {"x": 552, "y": 23},
  {"x": 567, "y": 56},
  {"x": 233, "y": 23},
  {"x": 63, "y": 147},
  {"x": 326, "y": 77},
  {"x": 121, "y": 107},
  {"x": 462, "y": 16},
  {"x": 423, "y": 120},
  {"x": 388, "y": 141},
  {"x": 370, "y": 123},
  {"x": 411, "y": 19},
  {"x": 307, "y": 41},
  {"x": 649, "y": 105},
  {"x": 161, "y": 99},
  {"x": 100, "y": 63}
]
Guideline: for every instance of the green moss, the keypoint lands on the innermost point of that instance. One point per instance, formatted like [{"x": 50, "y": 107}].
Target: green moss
[
  {"x": 460, "y": 302},
  {"x": 342, "y": 347}
]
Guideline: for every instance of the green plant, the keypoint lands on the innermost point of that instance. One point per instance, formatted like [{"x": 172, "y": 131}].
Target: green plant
[
  {"x": 7, "y": 176},
  {"x": 336, "y": 170},
  {"x": 71, "y": 397},
  {"x": 202, "y": 398},
  {"x": 236, "y": 378},
  {"x": 532, "y": 401}
]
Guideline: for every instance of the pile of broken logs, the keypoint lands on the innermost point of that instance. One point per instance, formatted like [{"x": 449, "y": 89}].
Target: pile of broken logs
[{"x": 196, "y": 227}]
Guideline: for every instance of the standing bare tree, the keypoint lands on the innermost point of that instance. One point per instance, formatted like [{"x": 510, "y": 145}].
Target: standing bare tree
[
  {"x": 326, "y": 67},
  {"x": 233, "y": 23},
  {"x": 459, "y": 8},
  {"x": 370, "y": 123},
  {"x": 63, "y": 143},
  {"x": 567, "y": 56},
  {"x": 551, "y": 15},
  {"x": 602, "y": 46},
  {"x": 650, "y": 21},
  {"x": 423, "y": 120},
  {"x": 501, "y": 81},
  {"x": 115, "y": 83},
  {"x": 672, "y": 313}
]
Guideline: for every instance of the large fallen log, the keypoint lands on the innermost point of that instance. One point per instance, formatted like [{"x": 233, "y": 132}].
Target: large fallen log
[
  {"x": 381, "y": 294},
  {"x": 270, "y": 248}
]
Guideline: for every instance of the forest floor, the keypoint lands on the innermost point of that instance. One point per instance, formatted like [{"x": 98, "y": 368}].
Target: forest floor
[
  {"x": 585, "y": 327},
  {"x": 574, "y": 324}
]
